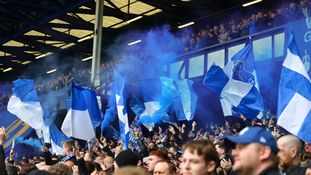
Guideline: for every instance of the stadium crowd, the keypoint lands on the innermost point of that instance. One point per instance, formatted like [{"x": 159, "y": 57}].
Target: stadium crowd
[
  {"x": 202, "y": 37},
  {"x": 240, "y": 147},
  {"x": 230, "y": 29}
]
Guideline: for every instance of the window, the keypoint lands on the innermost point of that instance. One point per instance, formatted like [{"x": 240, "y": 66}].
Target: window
[
  {"x": 196, "y": 66},
  {"x": 217, "y": 57},
  {"x": 233, "y": 50},
  {"x": 174, "y": 69},
  {"x": 262, "y": 48},
  {"x": 279, "y": 45}
]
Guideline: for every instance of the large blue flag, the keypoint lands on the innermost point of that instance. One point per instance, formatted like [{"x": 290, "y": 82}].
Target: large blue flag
[
  {"x": 235, "y": 96},
  {"x": 185, "y": 104},
  {"x": 57, "y": 137},
  {"x": 119, "y": 84},
  {"x": 91, "y": 102},
  {"x": 158, "y": 94},
  {"x": 294, "y": 100},
  {"x": 24, "y": 103},
  {"x": 78, "y": 116}
]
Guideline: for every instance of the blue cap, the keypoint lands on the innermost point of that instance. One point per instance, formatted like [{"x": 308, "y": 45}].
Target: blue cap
[{"x": 253, "y": 135}]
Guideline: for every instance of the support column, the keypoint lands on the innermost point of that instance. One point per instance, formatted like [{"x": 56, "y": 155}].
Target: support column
[{"x": 97, "y": 43}]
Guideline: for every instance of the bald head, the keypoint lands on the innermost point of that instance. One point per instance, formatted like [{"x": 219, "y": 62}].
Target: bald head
[
  {"x": 289, "y": 151},
  {"x": 290, "y": 141}
]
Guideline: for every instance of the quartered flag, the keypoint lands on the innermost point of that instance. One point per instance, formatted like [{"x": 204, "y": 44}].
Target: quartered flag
[
  {"x": 235, "y": 96},
  {"x": 294, "y": 99}
]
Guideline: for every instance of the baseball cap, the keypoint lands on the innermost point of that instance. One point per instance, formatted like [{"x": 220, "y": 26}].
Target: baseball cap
[{"x": 253, "y": 135}]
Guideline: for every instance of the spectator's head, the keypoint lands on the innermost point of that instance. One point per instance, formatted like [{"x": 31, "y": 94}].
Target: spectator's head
[
  {"x": 290, "y": 151},
  {"x": 303, "y": 3},
  {"x": 89, "y": 156},
  {"x": 199, "y": 158},
  {"x": 292, "y": 6},
  {"x": 254, "y": 150},
  {"x": 59, "y": 169},
  {"x": 126, "y": 158},
  {"x": 221, "y": 149},
  {"x": 164, "y": 168},
  {"x": 307, "y": 147},
  {"x": 108, "y": 162},
  {"x": 67, "y": 146},
  {"x": 154, "y": 157}
]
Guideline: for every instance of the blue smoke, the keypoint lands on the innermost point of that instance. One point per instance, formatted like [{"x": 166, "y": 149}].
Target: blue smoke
[{"x": 26, "y": 147}]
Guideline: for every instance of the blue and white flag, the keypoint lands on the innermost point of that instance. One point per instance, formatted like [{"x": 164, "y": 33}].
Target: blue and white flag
[
  {"x": 185, "y": 105},
  {"x": 57, "y": 137},
  {"x": 77, "y": 122},
  {"x": 241, "y": 66},
  {"x": 119, "y": 84},
  {"x": 235, "y": 96},
  {"x": 294, "y": 100},
  {"x": 24, "y": 103},
  {"x": 158, "y": 94}
]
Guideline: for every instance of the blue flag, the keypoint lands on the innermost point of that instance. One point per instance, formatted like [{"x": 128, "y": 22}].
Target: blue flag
[
  {"x": 158, "y": 94},
  {"x": 294, "y": 100},
  {"x": 119, "y": 84},
  {"x": 185, "y": 104},
  {"x": 241, "y": 66},
  {"x": 91, "y": 104},
  {"x": 24, "y": 103},
  {"x": 78, "y": 116},
  {"x": 235, "y": 96},
  {"x": 57, "y": 137}
]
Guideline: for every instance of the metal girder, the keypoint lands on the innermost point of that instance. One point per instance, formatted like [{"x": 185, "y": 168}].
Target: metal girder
[
  {"x": 72, "y": 26},
  {"x": 113, "y": 12},
  {"x": 77, "y": 21},
  {"x": 38, "y": 45},
  {"x": 59, "y": 35}
]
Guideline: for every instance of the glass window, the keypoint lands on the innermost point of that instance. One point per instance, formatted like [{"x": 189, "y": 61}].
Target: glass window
[
  {"x": 233, "y": 50},
  {"x": 262, "y": 48},
  {"x": 174, "y": 69},
  {"x": 196, "y": 66},
  {"x": 217, "y": 57},
  {"x": 279, "y": 45}
]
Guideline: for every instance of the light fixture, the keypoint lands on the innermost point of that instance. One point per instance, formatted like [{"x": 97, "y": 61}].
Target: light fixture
[
  {"x": 87, "y": 58},
  {"x": 51, "y": 71},
  {"x": 25, "y": 62},
  {"x": 134, "y": 42},
  {"x": 251, "y": 3},
  {"x": 186, "y": 25},
  {"x": 134, "y": 19},
  {"x": 8, "y": 69},
  {"x": 85, "y": 38},
  {"x": 43, "y": 55}
]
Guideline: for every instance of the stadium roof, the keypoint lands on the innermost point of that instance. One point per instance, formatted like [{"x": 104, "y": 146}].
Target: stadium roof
[{"x": 33, "y": 29}]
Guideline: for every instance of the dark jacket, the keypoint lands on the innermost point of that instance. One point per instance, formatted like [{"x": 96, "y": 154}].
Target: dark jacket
[
  {"x": 295, "y": 170},
  {"x": 271, "y": 171},
  {"x": 2, "y": 161}
]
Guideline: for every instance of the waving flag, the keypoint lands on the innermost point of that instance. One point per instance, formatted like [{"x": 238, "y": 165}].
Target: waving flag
[
  {"x": 185, "y": 104},
  {"x": 121, "y": 109},
  {"x": 158, "y": 94},
  {"x": 77, "y": 122},
  {"x": 294, "y": 100},
  {"x": 235, "y": 96},
  {"x": 57, "y": 137},
  {"x": 24, "y": 103}
]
